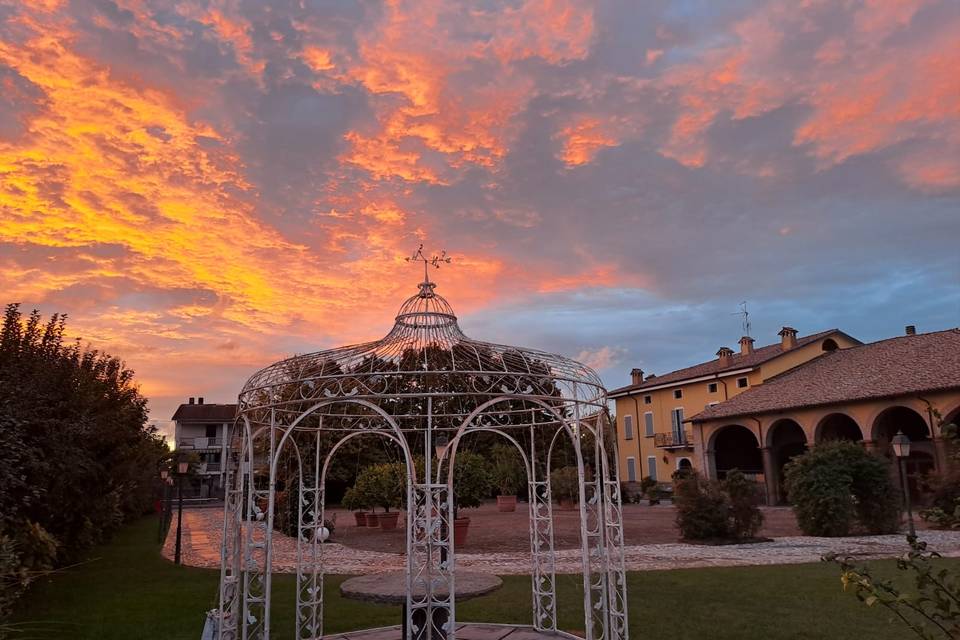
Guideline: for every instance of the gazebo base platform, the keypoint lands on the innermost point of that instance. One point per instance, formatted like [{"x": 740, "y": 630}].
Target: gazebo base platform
[{"x": 465, "y": 631}]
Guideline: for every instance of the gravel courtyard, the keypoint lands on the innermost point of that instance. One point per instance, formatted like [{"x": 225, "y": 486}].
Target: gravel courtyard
[{"x": 499, "y": 543}]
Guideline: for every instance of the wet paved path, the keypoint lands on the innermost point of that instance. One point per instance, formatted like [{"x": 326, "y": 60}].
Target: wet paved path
[{"x": 202, "y": 534}]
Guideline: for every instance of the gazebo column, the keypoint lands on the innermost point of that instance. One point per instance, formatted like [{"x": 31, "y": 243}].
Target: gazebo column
[
  {"x": 310, "y": 519},
  {"x": 617, "y": 626},
  {"x": 543, "y": 573},
  {"x": 430, "y": 562},
  {"x": 231, "y": 569}
]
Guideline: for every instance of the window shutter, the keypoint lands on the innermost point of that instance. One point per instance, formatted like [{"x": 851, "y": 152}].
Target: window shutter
[
  {"x": 648, "y": 423},
  {"x": 628, "y": 427},
  {"x": 631, "y": 470},
  {"x": 652, "y": 467}
]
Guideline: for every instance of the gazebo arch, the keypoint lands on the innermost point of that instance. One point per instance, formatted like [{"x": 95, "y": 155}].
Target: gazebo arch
[{"x": 424, "y": 383}]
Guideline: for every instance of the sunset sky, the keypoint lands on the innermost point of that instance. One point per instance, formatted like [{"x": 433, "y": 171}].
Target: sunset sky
[{"x": 205, "y": 188}]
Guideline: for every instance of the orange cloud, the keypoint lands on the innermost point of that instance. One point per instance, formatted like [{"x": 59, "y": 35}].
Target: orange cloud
[{"x": 583, "y": 139}]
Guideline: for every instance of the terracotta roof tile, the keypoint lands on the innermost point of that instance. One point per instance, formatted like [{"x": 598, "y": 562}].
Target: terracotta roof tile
[
  {"x": 897, "y": 366},
  {"x": 737, "y": 361}
]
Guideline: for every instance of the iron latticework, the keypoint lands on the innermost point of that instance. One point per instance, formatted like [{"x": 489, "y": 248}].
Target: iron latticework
[{"x": 425, "y": 382}]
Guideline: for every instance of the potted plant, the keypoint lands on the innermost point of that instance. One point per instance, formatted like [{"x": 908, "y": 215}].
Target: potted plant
[
  {"x": 471, "y": 484},
  {"x": 507, "y": 475},
  {"x": 565, "y": 487},
  {"x": 381, "y": 485},
  {"x": 353, "y": 501}
]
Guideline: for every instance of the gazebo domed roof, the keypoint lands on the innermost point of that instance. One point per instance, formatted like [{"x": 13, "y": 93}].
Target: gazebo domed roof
[{"x": 428, "y": 351}]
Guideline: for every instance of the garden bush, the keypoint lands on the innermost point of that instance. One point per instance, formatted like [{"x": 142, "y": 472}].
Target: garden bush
[
  {"x": 716, "y": 510},
  {"x": 703, "y": 510},
  {"x": 838, "y": 485},
  {"x": 78, "y": 456},
  {"x": 565, "y": 484},
  {"x": 743, "y": 495}
]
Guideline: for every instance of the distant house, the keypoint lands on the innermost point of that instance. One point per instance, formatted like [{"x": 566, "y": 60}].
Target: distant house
[
  {"x": 202, "y": 429},
  {"x": 653, "y": 430}
]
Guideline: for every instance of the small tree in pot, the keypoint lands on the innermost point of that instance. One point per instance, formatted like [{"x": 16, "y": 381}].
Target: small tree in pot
[
  {"x": 354, "y": 501},
  {"x": 565, "y": 487},
  {"x": 381, "y": 485},
  {"x": 507, "y": 474},
  {"x": 471, "y": 484}
]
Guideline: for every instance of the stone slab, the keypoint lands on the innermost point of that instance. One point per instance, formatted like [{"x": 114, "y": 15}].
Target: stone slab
[{"x": 391, "y": 587}]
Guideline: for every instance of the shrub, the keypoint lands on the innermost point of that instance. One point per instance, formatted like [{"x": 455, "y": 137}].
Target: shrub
[
  {"x": 839, "y": 484},
  {"x": 565, "y": 484},
  {"x": 703, "y": 510},
  {"x": 353, "y": 500},
  {"x": 471, "y": 481},
  {"x": 506, "y": 470},
  {"x": 745, "y": 516},
  {"x": 382, "y": 485}
]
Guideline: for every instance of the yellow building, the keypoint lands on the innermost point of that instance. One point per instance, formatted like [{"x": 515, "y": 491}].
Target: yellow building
[{"x": 654, "y": 436}]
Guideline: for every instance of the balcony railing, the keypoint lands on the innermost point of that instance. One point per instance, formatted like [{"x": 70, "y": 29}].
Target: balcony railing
[
  {"x": 209, "y": 467},
  {"x": 673, "y": 440},
  {"x": 200, "y": 443}
]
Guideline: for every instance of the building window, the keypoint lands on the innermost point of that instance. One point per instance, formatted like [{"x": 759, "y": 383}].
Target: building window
[
  {"x": 710, "y": 404},
  {"x": 628, "y": 427},
  {"x": 684, "y": 464},
  {"x": 648, "y": 424},
  {"x": 652, "y": 467},
  {"x": 631, "y": 469},
  {"x": 742, "y": 383},
  {"x": 678, "y": 393},
  {"x": 712, "y": 387},
  {"x": 647, "y": 399},
  {"x": 676, "y": 423},
  {"x": 211, "y": 430}
]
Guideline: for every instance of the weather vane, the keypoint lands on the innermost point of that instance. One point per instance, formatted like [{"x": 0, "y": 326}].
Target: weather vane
[{"x": 434, "y": 261}]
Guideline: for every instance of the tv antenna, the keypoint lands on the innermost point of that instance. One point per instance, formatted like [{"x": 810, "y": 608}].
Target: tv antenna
[{"x": 745, "y": 317}]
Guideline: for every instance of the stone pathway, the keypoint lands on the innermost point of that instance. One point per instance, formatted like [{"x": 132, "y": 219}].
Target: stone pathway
[{"x": 202, "y": 533}]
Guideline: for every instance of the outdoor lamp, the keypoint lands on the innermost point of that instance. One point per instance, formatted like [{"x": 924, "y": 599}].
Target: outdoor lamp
[
  {"x": 182, "y": 467},
  {"x": 163, "y": 474},
  {"x": 440, "y": 446},
  {"x": 901, "y": 445}
]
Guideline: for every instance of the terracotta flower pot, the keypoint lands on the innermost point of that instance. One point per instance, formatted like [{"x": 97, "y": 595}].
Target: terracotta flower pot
[
  {"x": 361, "y": 517},
  {"x": 506, "y": 504},
  {"x": 373, "y": 519},
  {"x": 567, "y": 505},
  {"x": 388, "y": 520},
  {"x": 460, "y": 528}
]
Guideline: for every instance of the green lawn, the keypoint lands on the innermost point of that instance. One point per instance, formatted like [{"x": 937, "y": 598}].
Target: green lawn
[{"x": 128, "y": 591}]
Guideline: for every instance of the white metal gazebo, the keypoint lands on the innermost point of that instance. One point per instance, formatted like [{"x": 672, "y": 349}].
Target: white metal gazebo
[{"x": 424, "y": 381}]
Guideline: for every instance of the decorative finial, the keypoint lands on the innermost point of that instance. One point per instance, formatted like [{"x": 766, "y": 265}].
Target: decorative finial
[{"x": 434, "y": 261}]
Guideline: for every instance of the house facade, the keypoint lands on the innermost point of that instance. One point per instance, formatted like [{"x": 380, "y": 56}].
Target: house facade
[
  {"x": 655, "y": 436},
  {"x": 202, "y": 430}
]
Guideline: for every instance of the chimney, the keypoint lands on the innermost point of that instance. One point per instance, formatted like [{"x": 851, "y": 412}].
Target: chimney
[
  {"x": 725, "y": 355},
  {"x": 788, "y": 338},
  {"x": 636, "y": 375},
  {"x": 911, "y": 330},
  {"x": 190, "y": 401},
  {"x": 200, "y": 400},
  {"x": 746, "y": 345}
]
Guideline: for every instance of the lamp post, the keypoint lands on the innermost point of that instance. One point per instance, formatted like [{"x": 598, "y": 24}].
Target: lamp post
[
  {"x": 182, "y": 468},
  {"x": 163, "y": 503},
  {"x": 901, "y": 449}
]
